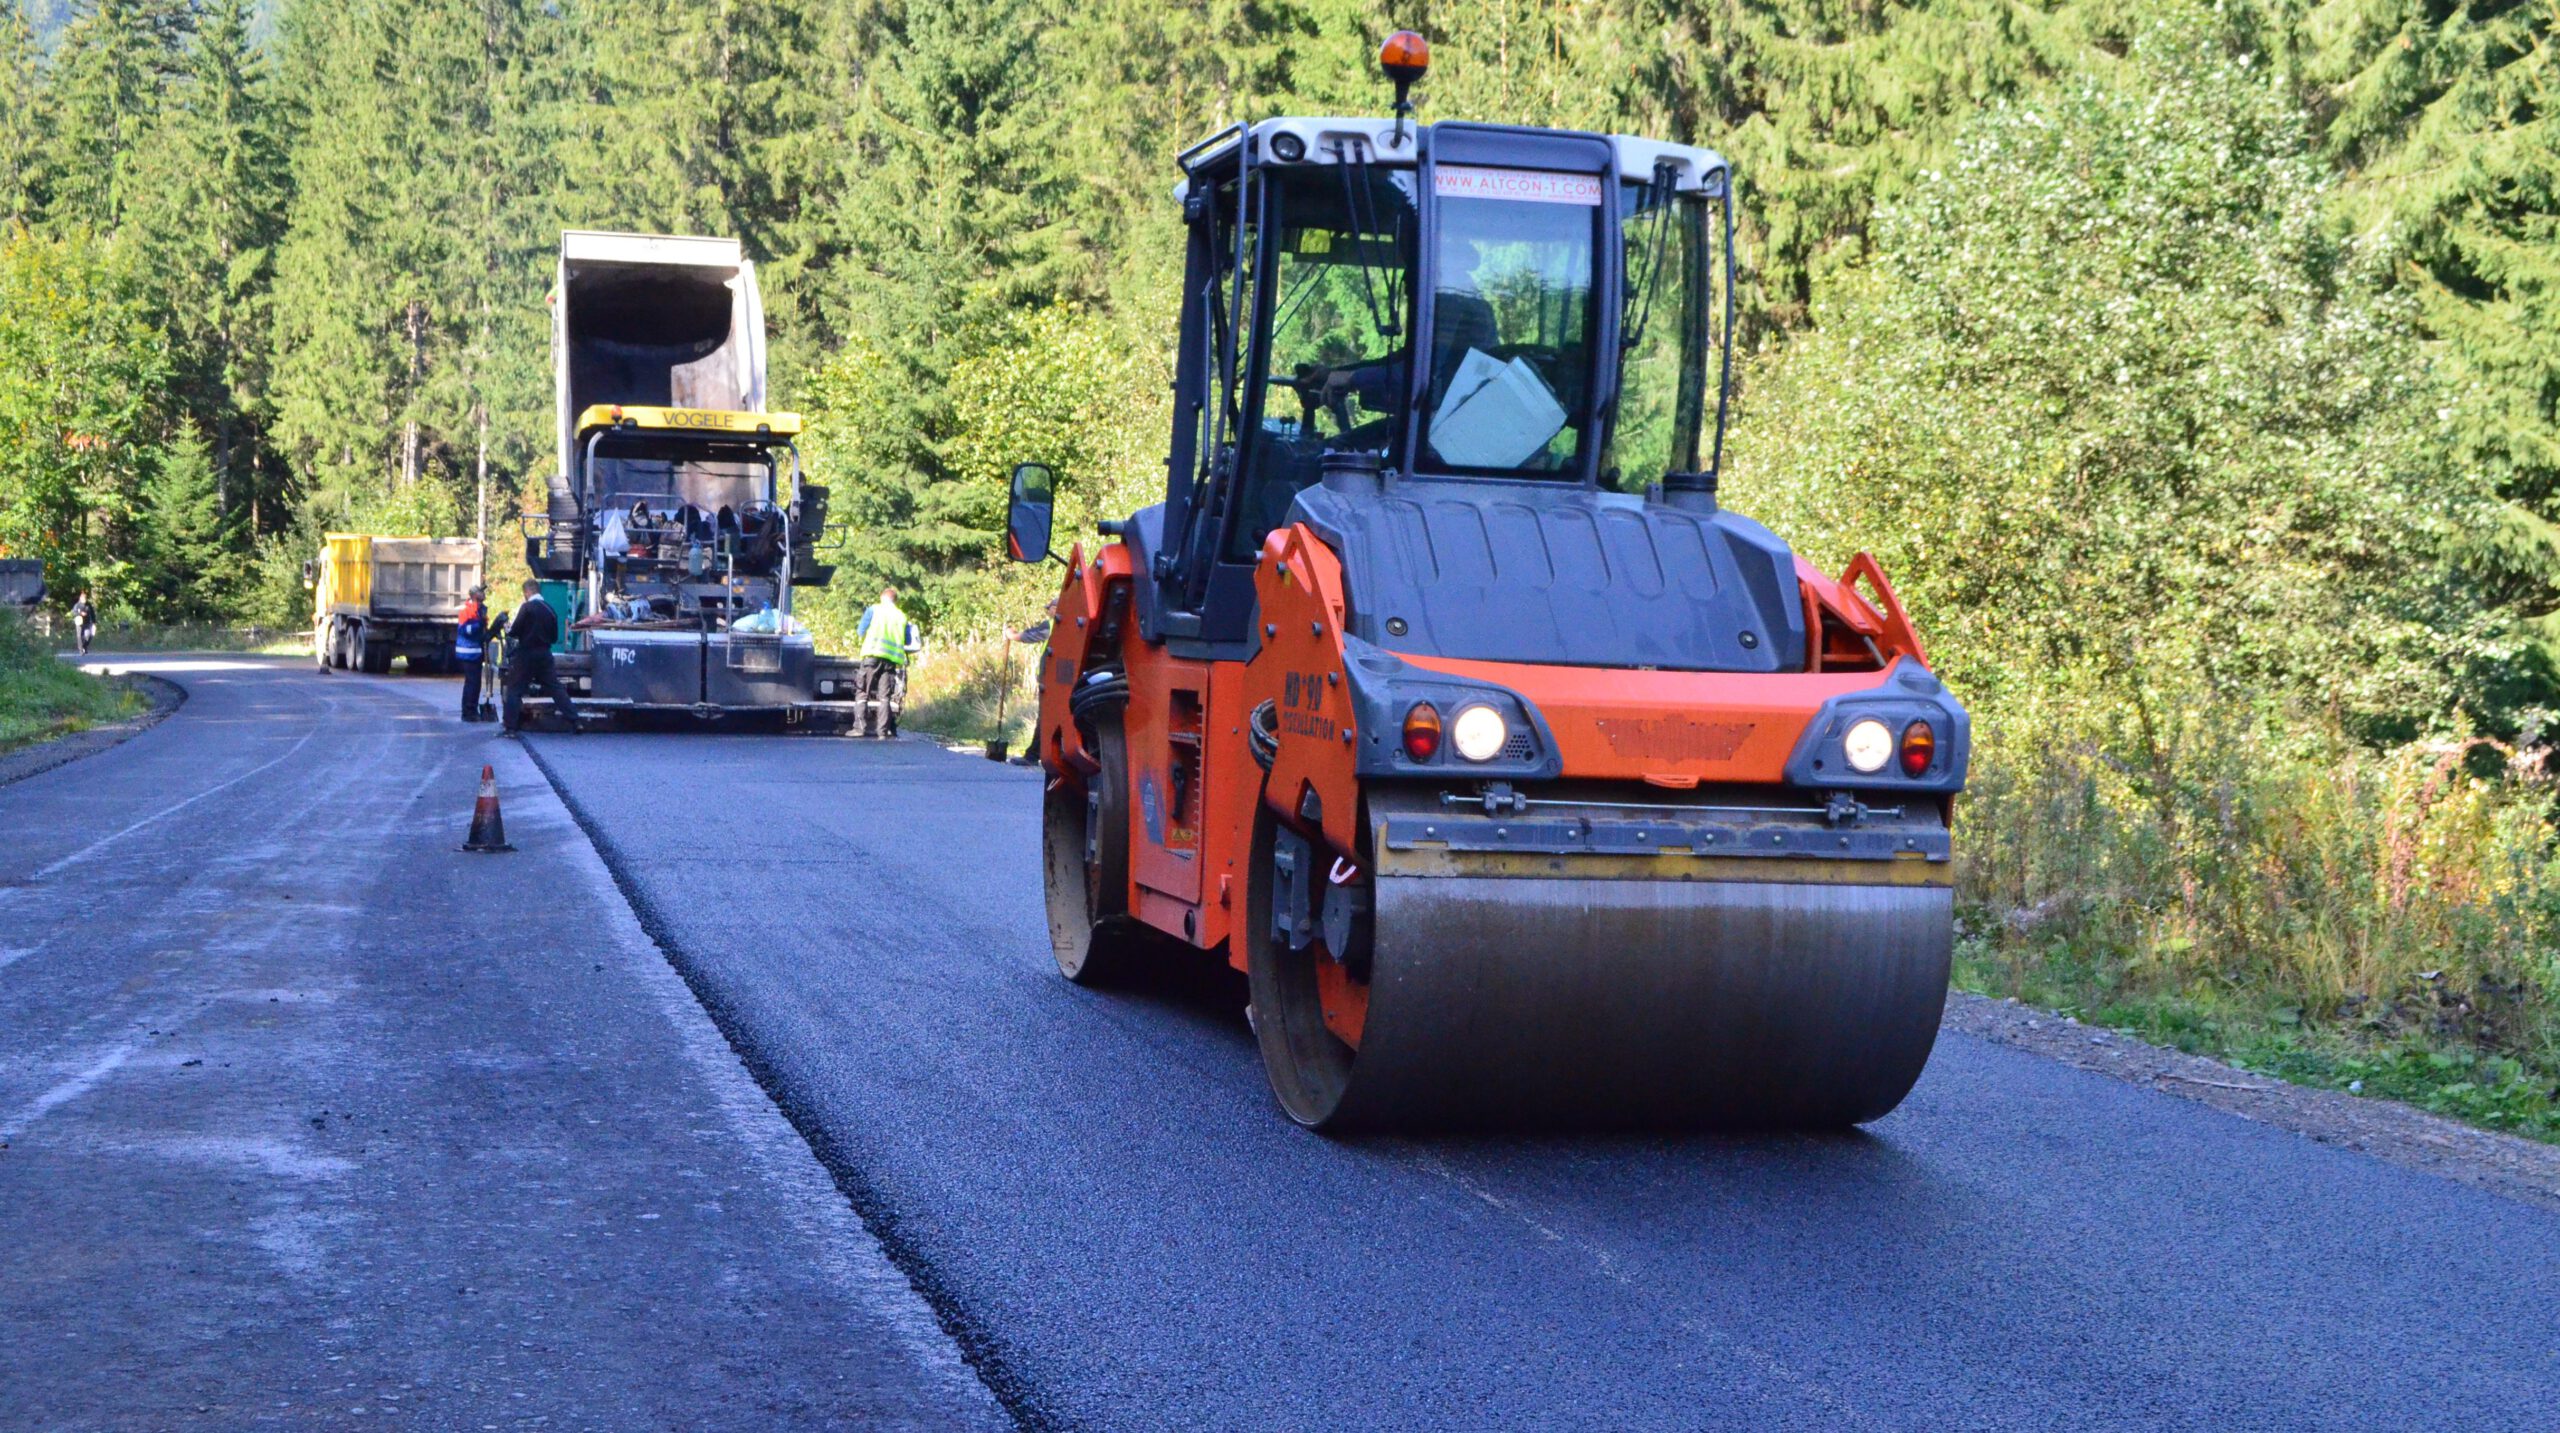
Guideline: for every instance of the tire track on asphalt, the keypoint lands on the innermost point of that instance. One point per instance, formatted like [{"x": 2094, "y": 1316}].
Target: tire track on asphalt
[{"x": 976, "y": 1344}]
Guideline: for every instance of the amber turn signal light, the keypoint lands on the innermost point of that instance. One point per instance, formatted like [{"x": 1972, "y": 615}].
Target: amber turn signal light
[
  {"x": 1422, "y": 731},
  {"x": 1919, "y": 748}
]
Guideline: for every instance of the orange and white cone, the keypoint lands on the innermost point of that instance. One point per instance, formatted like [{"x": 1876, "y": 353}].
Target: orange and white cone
[{"x": 488, "y": 832}]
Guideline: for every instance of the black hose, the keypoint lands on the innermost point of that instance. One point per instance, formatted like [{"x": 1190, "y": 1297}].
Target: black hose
[
  {"x": 1105, "y": 690},
  {"x": 1262, "y": 733}
]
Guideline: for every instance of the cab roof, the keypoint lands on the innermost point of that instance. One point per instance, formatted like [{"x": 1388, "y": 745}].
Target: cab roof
[{"x": 1334, "y": 139}]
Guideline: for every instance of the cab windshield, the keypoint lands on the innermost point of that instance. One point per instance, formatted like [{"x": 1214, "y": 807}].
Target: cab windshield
[
  {"x": 1511, "y": 329},
  {"x": 1671, "y": 334}
]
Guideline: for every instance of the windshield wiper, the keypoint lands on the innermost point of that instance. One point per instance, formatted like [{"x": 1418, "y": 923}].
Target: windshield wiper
[
  {"x": 1657, "y": 198},
  {"x": 1357, "y": 181}
]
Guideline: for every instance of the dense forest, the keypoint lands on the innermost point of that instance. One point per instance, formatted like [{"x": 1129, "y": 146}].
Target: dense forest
[{"x": 2194, "y": 366}]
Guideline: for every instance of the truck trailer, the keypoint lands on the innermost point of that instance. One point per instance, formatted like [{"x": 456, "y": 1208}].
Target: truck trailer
[
  {"x": 678, "y": 525},
  {"x": 376, "y": 598}
]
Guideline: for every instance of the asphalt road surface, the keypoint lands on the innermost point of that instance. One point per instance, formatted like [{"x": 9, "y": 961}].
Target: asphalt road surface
[
  {"x": 308, "y": 1119},
  {"x": 1105, "y": 1206},
  {"x": 311, "y": 1120}
]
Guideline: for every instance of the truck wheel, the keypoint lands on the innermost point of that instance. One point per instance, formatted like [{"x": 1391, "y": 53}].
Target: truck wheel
[
  {"x": 1096, "y": 940},
  {"x": 374, "y": 657}
]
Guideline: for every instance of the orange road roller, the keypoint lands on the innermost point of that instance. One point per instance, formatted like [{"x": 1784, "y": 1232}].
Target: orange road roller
[{"x": 1526, "y": 784}]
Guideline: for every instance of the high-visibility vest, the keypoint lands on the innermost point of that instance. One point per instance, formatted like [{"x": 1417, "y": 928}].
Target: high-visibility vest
[
  {"x": 468, "y": 632},
  {"x": 885, "y": 639}
]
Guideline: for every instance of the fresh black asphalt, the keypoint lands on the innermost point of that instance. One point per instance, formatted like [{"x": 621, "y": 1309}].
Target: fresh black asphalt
[
  {"x": 1107, "y": 1208},
  {"x": 311, "y": 1120},
  {"x": 308, "y": 1119}
]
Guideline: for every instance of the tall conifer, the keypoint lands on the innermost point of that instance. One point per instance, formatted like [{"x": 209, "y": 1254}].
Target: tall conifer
[
  {"x": 22, "y": 127},
  {"x": 116, "y": 62}
]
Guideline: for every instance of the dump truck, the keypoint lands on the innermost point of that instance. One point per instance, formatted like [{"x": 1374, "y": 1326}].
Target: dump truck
[
  {"x": 378, "y": 598},
  {"x": 1524, "y": 781},
  {"x": 679, "y": 524}
]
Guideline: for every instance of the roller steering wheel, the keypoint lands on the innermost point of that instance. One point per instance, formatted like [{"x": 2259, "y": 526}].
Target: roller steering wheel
[{"x": 1315, "y": 386}]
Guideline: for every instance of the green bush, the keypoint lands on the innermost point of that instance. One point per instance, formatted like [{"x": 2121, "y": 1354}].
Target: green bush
[
  {"x": 42, "y": 697},
  {"x": 2160, "y": 467}
]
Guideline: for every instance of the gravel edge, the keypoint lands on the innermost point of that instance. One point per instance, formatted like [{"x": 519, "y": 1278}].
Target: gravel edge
[
  {"x": 2521, "y": 1169},
  {"x": 164, "y": 696}
]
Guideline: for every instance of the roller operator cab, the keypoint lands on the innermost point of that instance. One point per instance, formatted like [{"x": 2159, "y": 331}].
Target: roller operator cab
[{"x": 1527, "y": 784}]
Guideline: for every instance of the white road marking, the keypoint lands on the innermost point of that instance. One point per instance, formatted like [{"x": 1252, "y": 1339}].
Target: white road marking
[
  {"x": 163, "y": 813},
  {"x": 69, "y": 1090}
]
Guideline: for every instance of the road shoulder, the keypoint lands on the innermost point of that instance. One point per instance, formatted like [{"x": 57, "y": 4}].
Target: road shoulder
[
  {"x": 308, "y": 1117},
  {"x": 2521, "y": 1169},
  {"x": 161, "y": 696}
]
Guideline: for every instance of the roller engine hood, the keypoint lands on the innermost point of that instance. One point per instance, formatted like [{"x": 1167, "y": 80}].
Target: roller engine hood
[{"x": 1551, "y": 575}]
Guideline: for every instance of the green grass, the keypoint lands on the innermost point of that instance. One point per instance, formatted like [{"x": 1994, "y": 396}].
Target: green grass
[
  {"x": 2429, "y": 1059},
  {"x": 42, "y": 697},
  {"x": 958, "y": 692}
]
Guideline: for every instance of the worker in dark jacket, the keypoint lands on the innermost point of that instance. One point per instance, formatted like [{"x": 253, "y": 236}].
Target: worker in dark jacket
[
  {"x": 471, "y": 650},
  {"x": 530, "y": 637}
]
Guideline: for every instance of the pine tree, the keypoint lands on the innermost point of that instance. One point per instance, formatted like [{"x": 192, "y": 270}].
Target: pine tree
[
  {"x": 488, "y": 166},
  {"x": 206, "y": 221},
  {"x": 23, "y": 141},
  {"x": 335, "y": 353},
  {"x": 185, "y": 557},
  {"x": 675, "y": 110},
  {"x": 951, "y": 221},
  {"x": 2447, "y": 115},
  {"x": 117, "y": 60}
]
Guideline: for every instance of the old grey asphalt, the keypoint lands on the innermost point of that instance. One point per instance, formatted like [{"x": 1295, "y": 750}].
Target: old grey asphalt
[
  {"x": 311, "y": 1120},
  {"x": 1098, "y": 1193}
]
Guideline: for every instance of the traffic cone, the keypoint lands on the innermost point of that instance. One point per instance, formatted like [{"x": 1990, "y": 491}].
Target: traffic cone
[{"x": 488, "y": 832}]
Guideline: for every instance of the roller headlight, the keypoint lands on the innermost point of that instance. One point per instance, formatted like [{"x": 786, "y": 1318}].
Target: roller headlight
[
  {"x": 1479, "y": 733},
  {"x": 1868, "y": 746}
]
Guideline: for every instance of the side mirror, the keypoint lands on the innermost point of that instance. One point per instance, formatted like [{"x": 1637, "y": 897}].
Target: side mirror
[
  {"x": 1028, "y": 521},
  {"x": 310, "y": 575}
]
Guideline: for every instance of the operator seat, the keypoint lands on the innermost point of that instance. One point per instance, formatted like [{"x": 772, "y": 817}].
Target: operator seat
[{"x": 1459, "y": 321}]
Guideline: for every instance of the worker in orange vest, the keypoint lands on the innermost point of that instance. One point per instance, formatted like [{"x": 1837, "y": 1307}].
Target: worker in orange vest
[{"x": 471, "y": 651}]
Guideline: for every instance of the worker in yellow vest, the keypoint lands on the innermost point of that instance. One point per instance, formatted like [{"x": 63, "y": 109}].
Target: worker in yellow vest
[{"x": 887, "y": 639}]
